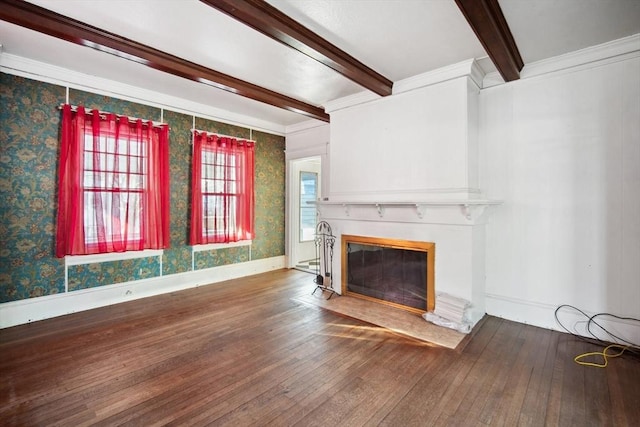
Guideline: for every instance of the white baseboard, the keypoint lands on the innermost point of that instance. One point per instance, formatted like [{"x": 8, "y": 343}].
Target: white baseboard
[
  {"x": 33, "y": 309},
  {"x": 543, "y": 316}
]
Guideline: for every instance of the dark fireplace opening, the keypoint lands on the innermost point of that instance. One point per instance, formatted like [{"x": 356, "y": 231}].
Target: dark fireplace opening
[
  {"x": 396, "y": 272},
  {"x": 394, "y": 275}
]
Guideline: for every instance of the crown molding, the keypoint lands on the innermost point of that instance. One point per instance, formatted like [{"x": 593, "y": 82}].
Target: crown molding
[
  {"x": 350, "y": 101},
  {"x": 613, "y": 51},
  {"x": 585, "y": 56},
  {"x": 468, "y": 68},
  {"x": 45, "y": 21},
  {"x": 24, "y": 67},
  {"x": 315, "y": 150},
  {"x": 303, "y": 126}
]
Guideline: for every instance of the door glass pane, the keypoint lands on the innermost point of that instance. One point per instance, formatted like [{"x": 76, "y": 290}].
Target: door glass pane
[{"x": 308, "y": 212}]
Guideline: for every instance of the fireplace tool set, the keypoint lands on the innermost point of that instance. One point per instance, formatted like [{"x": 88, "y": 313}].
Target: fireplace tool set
[{"x": 324, "y": 240}]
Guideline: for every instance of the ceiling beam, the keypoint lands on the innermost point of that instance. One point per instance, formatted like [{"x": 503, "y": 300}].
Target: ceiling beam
[
  {"x": 45, "y": 21},
  {"x": 488, "y": 22},
  {"x": 268, "y": 20}
]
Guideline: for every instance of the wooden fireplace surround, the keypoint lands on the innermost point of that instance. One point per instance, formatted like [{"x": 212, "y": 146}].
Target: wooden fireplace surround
[{"x": 427, "y": 247}]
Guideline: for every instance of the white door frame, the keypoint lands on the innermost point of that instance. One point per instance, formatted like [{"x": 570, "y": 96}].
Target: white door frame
[{"x": 295, "y": 166}]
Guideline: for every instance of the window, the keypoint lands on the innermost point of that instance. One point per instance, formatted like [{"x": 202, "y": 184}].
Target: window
[
  {"x": 222, "y": 208},
  {"x": 113, "y": 184},
  {"x": 308, "y": 212}
]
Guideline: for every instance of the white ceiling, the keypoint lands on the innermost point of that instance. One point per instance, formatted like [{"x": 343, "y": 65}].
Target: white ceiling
[{"x": 396, "y": 38}]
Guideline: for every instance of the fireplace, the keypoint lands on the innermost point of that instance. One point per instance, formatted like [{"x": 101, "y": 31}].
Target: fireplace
[
  {"x": 456, "y": 226},
  {"x": 390, "y": 271}
]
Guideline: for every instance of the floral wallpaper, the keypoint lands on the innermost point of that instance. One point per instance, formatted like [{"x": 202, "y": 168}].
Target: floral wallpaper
[
  {"x": 211, "y": 126},
  {"x": 270, "y": 191},
  {"x": 106, "y": 273},
  {"x": 29, "y": 121},
  {"x": 29, "y": 127},
  {"x": 218, "y": 257},
  {"x": 113, "y": 105},
  {"x": 177, "y": 259}
]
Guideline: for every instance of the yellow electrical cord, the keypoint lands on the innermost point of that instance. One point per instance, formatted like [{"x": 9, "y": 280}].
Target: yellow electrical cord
[{"x": 603, "y": 353}]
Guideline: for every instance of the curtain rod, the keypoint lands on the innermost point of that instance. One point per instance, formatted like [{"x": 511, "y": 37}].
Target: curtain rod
[
  {"x": 74, "y": 108},
  {"x": 222, "y": 135}
]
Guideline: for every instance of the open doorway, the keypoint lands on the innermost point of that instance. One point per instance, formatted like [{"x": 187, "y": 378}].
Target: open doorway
[{"x": 305, "y": 189}]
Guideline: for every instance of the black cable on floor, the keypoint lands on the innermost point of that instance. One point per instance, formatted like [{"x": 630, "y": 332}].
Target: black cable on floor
[{"x": 631, "y": 347}]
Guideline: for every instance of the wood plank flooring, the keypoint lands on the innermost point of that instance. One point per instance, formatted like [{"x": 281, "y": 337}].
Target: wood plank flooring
[{"x": 243, "y": 352}]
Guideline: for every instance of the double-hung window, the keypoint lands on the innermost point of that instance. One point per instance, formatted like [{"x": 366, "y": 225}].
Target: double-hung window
[
  {"x": 222, "y": 208},
  {"x": 113, "y": 184}
]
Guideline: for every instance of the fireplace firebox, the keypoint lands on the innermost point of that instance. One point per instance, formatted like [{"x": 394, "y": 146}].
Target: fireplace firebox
[{"x": 390, "y": 271}]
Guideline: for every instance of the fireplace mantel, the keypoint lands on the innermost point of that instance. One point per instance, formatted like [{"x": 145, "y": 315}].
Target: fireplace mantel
[
  {"x": 456, "y": 226},
  {"x": 470, "y": 209}
]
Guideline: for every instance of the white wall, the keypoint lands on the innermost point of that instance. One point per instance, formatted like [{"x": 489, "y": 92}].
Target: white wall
[
  {"x": 563, "y": 151},
  {"x": 307, "y": 139},
  {"x": 416, "y": 146},
  {"x": 560, "y": 147},
  {"x": 303, "y": 141},
  {"x": 409, "y": 146},
  {"x": 310, "y": 140}
]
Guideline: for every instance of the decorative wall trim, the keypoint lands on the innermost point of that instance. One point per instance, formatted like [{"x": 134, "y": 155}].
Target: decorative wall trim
[
  {"x": 303, "y": 126},
  {"x": 614, "y": 51},
  {"x": 453, "y": 212},
  {"x": 34, "y": 309},
  {"x": 468, "y": 68},
  {"x": 415, "y": 195},
  {"x": 350, "y": 101},
  {"x": 542, "y": 315},
  {"x": 111, "y": 256},
  {"x": 212, "y": 246},
  {"x": 24, "y": 67},
  {"x": 309, "y": 151},
  {"x": 71, "y": 260}
]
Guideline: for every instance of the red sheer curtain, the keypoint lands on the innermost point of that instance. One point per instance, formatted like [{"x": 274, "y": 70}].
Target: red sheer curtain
[
  {"x": 113, "y": 193},
  {"x": 222, "y": 204}
]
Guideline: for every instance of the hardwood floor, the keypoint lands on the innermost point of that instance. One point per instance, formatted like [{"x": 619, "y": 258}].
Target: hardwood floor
[{"x": 244, "y": 353}]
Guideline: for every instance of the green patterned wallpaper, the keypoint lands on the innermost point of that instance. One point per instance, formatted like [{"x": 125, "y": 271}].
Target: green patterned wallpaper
[
  {"x": 29, "y": 126},
  {"x": 270, "y": 190},
  {"x": 29, "y": 122},
  {"x": 217, "y": 257},
  {"x": 105, "y": 273},
  {"x": 177, "y": 259},
  {"x": 113, "y": 105}
]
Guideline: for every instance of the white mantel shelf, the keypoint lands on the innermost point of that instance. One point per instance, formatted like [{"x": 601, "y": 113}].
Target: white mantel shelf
[{"x": 470, "y": 208}]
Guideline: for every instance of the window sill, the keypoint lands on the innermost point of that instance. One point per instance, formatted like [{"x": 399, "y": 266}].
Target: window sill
[
  {"x": 212, "y": 246},
  {"x": 113, "y": 256}
]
